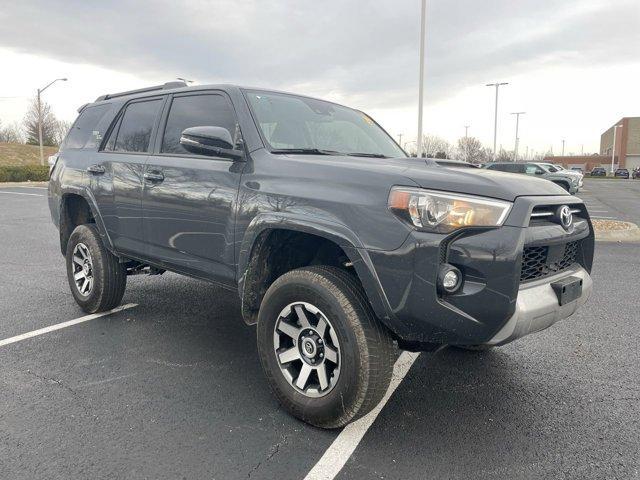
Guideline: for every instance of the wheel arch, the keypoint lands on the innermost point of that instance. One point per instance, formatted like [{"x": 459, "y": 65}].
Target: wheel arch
[
  {"x": 267, "y": 234},
  {"x": 76, "y": 207}
]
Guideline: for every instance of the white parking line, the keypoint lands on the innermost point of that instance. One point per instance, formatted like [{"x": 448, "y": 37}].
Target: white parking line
[
  {"x": 21, "y": 193},
  {"x": 59, "y": 326},
  {"x": 600, "y": 217},
  {"x": 345, "y": 444}
]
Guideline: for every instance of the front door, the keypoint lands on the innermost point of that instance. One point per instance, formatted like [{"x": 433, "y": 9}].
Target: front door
[{"x": 189, "y": 200}]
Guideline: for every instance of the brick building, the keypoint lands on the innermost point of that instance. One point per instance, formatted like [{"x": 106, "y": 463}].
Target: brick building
[{"x": 627, "y": 148}]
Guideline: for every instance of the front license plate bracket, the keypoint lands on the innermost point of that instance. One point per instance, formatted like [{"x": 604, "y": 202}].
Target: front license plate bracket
[{"x": 568, "y": 289}]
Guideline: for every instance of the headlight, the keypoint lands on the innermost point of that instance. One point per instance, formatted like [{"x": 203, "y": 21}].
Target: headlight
[{"x": 444, "y": 212}]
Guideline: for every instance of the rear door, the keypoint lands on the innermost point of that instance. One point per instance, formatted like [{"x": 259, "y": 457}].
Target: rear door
[
  {"x": 117, "y": 174},
  {"x": 189, "y": 200}
]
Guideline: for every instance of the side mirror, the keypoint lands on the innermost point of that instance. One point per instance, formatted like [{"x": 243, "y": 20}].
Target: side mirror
[
  {"x": 211, "y": 141},
  {"x": 539, "y": 172}
]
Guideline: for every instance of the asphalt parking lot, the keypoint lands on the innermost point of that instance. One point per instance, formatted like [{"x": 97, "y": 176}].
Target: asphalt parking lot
[{"x": 172, "y": 387}]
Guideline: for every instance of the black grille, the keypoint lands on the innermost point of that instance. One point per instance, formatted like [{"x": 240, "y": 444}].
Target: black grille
[{"x": 537, "y": 261}]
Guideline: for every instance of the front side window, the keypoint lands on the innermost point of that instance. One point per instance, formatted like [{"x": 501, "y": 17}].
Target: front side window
[
  {"x": 132, "y": 133},
  {"x": 290, "y": 122},
  {"x": 196, "y": 111}
]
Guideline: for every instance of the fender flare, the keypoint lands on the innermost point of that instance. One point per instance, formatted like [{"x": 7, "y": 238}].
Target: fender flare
[
  {"x": 333, "y": 231},
  {"x": 87, "y": 195}
]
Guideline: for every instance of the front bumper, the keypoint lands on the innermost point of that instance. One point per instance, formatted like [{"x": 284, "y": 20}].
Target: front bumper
[
  {"x": 495, "y": 304},
  {"x": 537, "y": 307}
]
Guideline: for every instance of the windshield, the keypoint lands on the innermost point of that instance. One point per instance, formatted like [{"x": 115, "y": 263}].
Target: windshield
[{"x": 306, "y": 125}]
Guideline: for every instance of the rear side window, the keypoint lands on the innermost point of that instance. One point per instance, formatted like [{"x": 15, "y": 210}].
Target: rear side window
[
  {"x": 196, "y": 111},
  {"x": 132, "y": 133},
  {"x": 83, "y": 133}
]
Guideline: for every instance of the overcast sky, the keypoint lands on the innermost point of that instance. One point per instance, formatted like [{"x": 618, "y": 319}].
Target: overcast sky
[{"x": 573, "y": 65}]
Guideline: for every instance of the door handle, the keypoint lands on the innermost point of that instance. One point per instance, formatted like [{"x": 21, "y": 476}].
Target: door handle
[
  {"x": 154, "y": 176},
  {"x": 96, "y": 169}
]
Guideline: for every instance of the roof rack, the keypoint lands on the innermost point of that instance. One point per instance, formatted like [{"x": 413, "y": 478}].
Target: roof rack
[{"x": 165, "y": 86}]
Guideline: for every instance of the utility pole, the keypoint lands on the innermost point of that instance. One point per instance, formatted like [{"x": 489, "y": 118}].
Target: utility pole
[
  {"x": 515, "y": 148},
  {"x": 40, "y": 90},
  {"x": 495, "y": 121},
  {"x": 421, "y": 87},
  {"x": 613, "y": 148}
]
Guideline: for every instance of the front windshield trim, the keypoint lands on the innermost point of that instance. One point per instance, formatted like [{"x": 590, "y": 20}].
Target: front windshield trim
[{"x": 272, "y": 149}]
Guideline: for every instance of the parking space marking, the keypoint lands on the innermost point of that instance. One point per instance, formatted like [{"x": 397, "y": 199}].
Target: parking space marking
[
  {"x": 345, "y": 444},
  {"x": 59, "y": 326},
  {"x": 22, "y": 193},
  {"x": 601, "y": 217}
]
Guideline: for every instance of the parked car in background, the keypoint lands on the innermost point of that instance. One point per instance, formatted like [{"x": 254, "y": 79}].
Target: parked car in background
[
  {"x": 598, "y": 172},
  {"x": 577, "y": 169},
  {"x": 567, "y": 180},
  {"x": 553, "y": 168},
  {"x": 636, "y": 173},
  {"x": 621, "y": 173}
]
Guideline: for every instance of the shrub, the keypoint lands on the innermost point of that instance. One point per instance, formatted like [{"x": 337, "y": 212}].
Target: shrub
[{"x": 24, "y": 173}]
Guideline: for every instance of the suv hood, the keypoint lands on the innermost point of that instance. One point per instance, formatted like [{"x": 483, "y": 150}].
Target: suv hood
[{"x": 480, "y": 181}]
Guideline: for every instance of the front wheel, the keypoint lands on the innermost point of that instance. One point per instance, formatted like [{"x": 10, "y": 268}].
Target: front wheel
[
  {"x": 327, "y": 357},
  {"x": 96, "y": 277}
]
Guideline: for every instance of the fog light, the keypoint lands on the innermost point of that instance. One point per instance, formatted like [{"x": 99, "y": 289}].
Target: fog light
[{"x": 449, "y": 279}]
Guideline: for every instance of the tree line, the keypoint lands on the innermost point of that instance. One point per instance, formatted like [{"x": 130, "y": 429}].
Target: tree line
[
  {"x": 467, "y": 149},
  {"x": 53, "y": 129}
]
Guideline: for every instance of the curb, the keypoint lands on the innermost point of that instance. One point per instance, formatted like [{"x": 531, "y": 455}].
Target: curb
[
  {"x": 23, "y": 184},
  {"x": 631, "y": 235}
]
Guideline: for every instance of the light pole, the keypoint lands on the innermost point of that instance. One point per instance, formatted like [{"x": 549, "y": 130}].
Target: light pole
[
  {"x": 400, "y": 139},
  {"x": 421, "y": 87},
  {"x": 184, "y": 80},
  {"x": 517, "y": 142},
  {"x": 563, "y": 147},
  {"x": 613, "y": 148},
  {"x": 40, "y": 90},
  {"x": 495, "y": 122}
]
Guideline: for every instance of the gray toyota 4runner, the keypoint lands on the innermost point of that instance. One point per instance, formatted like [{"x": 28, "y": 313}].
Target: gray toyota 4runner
[{"x": 340, "y": 246}]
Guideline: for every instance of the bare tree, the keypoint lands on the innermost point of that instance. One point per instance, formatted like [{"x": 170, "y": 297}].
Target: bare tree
[
  {"x": 436, "y": 147},
  {"x": 471, "y": 150},
  {"x": 61, "y": 128},
  {"x": 504, "y": 156},
  {"x": 30, "y": 124},
  {"x": 11, "y": 133}
]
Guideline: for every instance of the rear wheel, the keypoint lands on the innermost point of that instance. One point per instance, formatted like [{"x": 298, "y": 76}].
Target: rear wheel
[
  {"x": 327, "y": 357},
  {"x": 96, "y": 278}
]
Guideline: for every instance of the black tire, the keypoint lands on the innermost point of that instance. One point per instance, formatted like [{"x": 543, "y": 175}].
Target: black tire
[
  {"x": 367, "y": 353},
  {"x": 109, "y": 277}
]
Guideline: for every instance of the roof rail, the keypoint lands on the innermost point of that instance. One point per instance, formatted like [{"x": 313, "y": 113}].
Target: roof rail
[{"x": 165, "y": 86}]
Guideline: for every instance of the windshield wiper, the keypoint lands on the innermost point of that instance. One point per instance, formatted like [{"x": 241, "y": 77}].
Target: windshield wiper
[
  {"x": 306, "y": 151},
  {"x": 372, "y": 155}
]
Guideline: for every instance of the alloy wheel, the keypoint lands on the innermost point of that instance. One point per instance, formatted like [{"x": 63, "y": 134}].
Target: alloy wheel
[
  {"x": 82, "y": 269},
  {"x": 307, "y": 349}
]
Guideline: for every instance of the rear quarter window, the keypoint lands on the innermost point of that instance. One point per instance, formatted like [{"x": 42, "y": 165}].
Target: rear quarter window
[{"x": 83, "y": 132}]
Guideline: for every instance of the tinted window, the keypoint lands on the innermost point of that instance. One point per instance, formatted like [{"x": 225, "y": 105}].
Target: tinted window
[
  {"x": 134, "y": 133},
  {"x": 196, "y": 111},
  {"x": 83, "y": 133}
]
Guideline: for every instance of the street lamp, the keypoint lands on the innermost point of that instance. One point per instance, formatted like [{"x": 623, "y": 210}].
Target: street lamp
[
  {"x": 40, "y": 90},
  {"x": 495, "y": 122},
  {"x": 613, "y": 148},
  {"x": 421, "y": 86},
  {"x": 184, "y": 80},
  {"x": 517, "y": 142}
]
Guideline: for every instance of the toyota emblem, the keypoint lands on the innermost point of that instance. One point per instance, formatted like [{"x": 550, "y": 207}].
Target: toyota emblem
[{"x": 565, "y": 216}]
